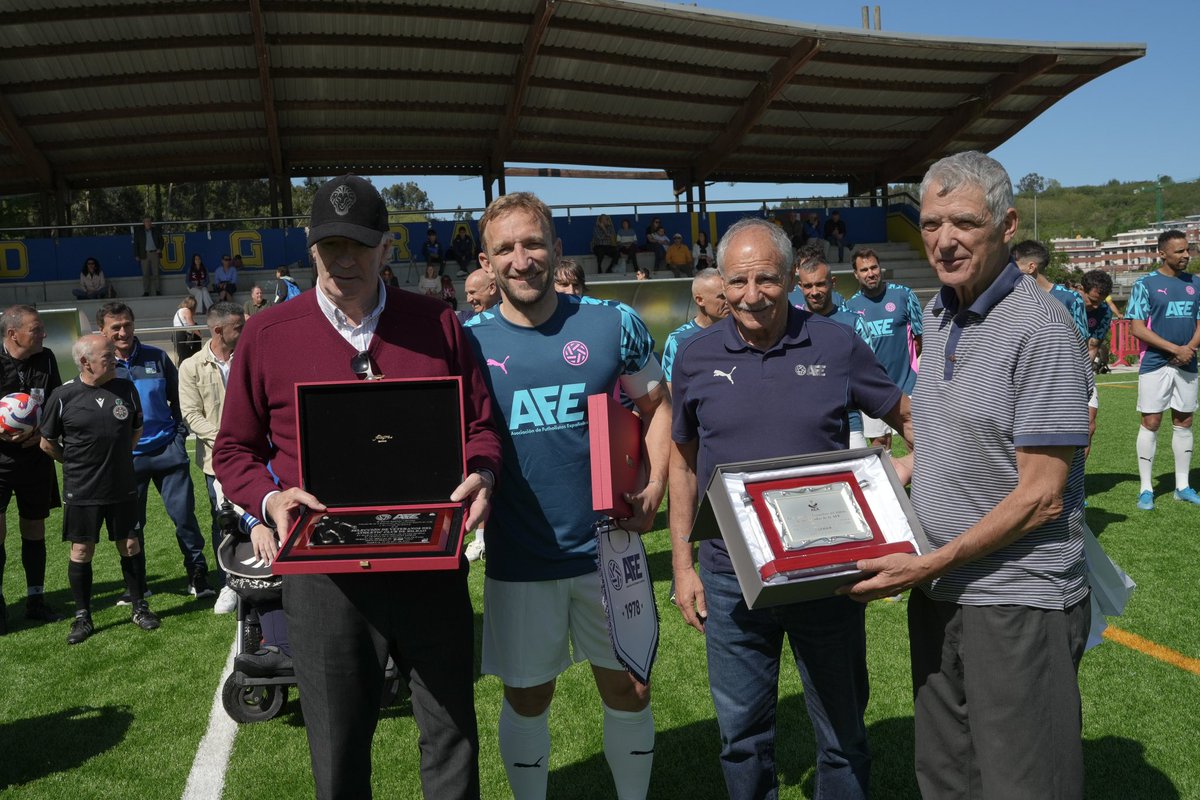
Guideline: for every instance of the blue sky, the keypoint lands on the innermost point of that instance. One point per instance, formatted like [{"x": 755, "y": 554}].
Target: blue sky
[{"x": 1134, "y": 123}]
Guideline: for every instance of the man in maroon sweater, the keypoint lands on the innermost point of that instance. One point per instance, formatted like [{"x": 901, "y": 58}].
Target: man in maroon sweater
[{"x": 343, "y": 627}]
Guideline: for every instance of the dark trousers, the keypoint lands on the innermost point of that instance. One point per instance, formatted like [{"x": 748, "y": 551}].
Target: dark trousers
[
  {"x": 829, "y": 645},
  {"x": 342, "y": 629},
  {"x": 996, "y": 699},
  {"x": 170, "y": 472}
]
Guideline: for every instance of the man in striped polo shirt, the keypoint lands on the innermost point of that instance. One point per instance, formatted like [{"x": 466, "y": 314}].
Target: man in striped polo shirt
[{"x": 1000, "y": 617}]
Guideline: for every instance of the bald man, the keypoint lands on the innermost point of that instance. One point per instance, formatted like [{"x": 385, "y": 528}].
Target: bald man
[
  {"x": 482, "y": 294},
  {"x": 708, "y": 294}
]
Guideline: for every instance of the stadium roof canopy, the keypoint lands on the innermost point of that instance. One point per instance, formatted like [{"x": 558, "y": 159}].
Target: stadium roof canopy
[{"x": 121, "y": 92}]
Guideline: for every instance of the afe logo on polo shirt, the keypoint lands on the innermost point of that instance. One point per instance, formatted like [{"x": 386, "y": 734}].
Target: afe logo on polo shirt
[{"x": 816, "y": 370}]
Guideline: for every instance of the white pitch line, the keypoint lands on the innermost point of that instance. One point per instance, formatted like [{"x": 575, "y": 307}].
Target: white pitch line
[{"x": 206, "y": 781}]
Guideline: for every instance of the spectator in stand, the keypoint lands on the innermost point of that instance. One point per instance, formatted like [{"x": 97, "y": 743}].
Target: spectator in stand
[
  {"x": 160, "y": 455},
  {"x": 430, "y": 284},
  {"x": 431, "y": 251},
  {"x": 463, "y": 250},
  {"x": 256, "y": 303},
  {"x": 679, "y": 257},
  {"x": 389, "y": 277},
  {"x": 186, "y": 342},
  {"x": 835, "y": 234},
  {"x": 793, "y": 226},
  {"x": 659, "y": 243},
  {"x": 652, "y": 228},
  {"x": 1097, "y": 286},
  {"x": 812, "y": 229},
  {"x": 225, "y": 279},
  {"x": 147, "y": 246},
  {"x": 604, "y": 243},
  {"x": 92, "y": 283},
  {"x": 703, "y": 253},
  {"x": 197, "y": 284},
  {"x": 285, "y": 285},
  {"x": 202, "y": 379},
  {"x": 569, "y": 278},
  {"x": 89, "y": 426},
  {"x": 448, "y": 294},
  {"x": 627, "y": 246}
]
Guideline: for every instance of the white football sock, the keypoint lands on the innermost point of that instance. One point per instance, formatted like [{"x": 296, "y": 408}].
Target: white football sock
[
  {"x": 1147, "y": 443},
  {"x": 629, "y": 748},
  {"x": 1181, "y": 445},
  {"x": 525, "y": 749}
]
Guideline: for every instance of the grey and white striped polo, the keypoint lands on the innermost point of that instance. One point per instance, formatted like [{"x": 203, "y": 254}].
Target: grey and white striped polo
[{"x": 1007, "y": 372}]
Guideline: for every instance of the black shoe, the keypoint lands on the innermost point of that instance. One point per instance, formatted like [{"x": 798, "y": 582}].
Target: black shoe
[
  {"x": 269, "y": 662},
  {"x": 198, "y": 586},
  {"x": 36, "y": 609},
  {"x": 143, "y": 617},
  {"x": 81, "y": 627}
]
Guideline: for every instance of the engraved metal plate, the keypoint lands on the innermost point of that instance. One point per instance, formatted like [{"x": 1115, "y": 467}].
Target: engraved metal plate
[
  {"x": 362, "y": 529},
  {"x": 812, "y": 516}
]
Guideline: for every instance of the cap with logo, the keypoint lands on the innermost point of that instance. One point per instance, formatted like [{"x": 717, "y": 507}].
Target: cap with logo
[{"x": 348, "y": 206}]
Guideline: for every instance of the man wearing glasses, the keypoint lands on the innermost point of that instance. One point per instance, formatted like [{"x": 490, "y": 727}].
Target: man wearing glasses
[{"x": 343, "y": 627}]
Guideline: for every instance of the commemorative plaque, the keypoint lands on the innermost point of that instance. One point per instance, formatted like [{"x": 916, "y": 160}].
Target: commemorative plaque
[
  {"x": 384, "y": 457},
  {"x": 796, "y": 527}
]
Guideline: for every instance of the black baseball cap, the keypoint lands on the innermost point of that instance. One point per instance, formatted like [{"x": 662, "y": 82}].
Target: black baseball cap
[{"x": 348, "y": 206}]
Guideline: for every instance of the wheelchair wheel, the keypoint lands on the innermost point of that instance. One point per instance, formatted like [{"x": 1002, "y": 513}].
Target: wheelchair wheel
[{"x": 246, "y": 704}]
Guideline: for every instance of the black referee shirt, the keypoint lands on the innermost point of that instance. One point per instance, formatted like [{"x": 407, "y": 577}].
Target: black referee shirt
[{"x": 95, "y": 426}]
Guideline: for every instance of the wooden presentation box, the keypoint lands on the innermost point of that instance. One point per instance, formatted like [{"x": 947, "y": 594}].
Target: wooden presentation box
[
  {"x": 384, "y": 456},
  {"x": 796, "y": 526}
]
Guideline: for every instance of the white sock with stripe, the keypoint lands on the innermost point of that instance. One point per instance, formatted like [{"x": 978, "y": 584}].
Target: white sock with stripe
[
  {"x": 525, "y": 749},
  {"x": 1147, "y": 444},
  {"x": 629, "y": 748}
]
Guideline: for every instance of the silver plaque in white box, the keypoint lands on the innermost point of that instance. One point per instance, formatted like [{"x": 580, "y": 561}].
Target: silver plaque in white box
[{"x": 812, "y": 516}]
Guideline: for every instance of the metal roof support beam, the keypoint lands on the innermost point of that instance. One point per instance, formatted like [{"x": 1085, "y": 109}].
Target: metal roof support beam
[
  {"x": 263, "y": 58},
  {"x": 756, "y": 105},
  {"x": 516, "y": 98},
  {"x": 36, "y": 165},
  {"x": 973, "y": 108}
]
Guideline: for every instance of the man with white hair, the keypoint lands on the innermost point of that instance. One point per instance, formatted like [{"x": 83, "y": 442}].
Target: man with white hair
[
  {"x": 91, "y": 425},
  {"x": 771, "y": 380},
  {"x": 998, "y": 616}
]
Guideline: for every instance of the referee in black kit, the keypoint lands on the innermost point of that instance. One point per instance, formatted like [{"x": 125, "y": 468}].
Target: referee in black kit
[{"x": 91, "y": 425}]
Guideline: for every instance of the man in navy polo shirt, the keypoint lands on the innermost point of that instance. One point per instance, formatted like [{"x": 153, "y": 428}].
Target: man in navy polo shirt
[
  {"x": 1165, "y": 316},
  {"x": 771, "y": 380},
  {"x": 1000, "y": 618}
]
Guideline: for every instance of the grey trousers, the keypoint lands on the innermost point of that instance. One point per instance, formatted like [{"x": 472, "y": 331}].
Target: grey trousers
[
  {"x": 996, "y": 700},
  {"x": 150, "y": 278}
]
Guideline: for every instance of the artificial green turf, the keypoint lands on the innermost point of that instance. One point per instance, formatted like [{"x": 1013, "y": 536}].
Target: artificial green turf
[{"x": 121, "y": 715}]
